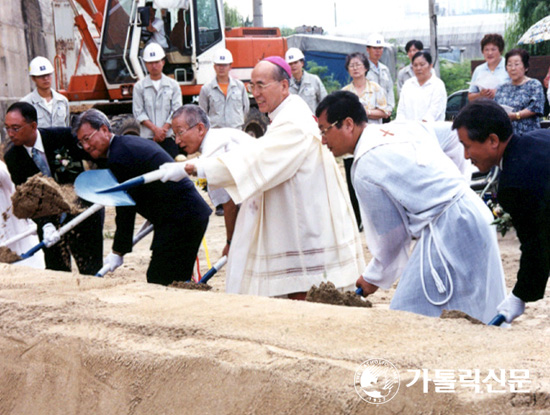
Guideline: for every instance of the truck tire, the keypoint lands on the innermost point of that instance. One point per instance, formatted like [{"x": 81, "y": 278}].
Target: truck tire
[
  {"x": 256, "y": 123},
  {"x": 124, "y": 124}
]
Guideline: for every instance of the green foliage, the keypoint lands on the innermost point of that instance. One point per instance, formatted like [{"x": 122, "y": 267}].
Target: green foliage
[
  {"x": 525, "y": 14},
  {"x": 455, "y": 75},
  {"x": 233, "y": 18},
  {"x": 287, "y": 31},
  {"x": 328, "y": 80}
]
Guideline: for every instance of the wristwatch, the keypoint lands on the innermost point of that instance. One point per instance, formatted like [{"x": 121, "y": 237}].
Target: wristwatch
[{"x": 518, "y": 116}]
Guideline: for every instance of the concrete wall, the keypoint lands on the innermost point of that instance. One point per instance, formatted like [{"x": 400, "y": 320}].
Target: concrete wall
[{"x": 26, "y": 31}]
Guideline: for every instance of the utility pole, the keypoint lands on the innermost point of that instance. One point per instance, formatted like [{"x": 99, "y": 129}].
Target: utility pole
[
  {"x": 257, "y": 9},
  {"x": 433, "y": 34}
]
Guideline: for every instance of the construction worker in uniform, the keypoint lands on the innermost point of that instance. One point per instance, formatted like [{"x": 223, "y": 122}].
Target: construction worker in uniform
[
  {"x": 156, "y": 97},
  {"x": 302, "y": 83},
  {"x": 52, "y": 107},
  {"x": 224, "y": 99}
]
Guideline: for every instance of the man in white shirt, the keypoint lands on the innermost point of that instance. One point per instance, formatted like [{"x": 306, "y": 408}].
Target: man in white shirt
[
  {"x": 193, "y": 134},
  {"x": 408, "y": 188},
  {"x": 51, "y": 107},
  {"x": 295, "y": 227}
]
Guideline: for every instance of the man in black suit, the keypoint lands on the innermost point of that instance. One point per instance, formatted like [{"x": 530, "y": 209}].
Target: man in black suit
[
  {"x": 33, "y": 150},
  {"x": 177, "y": 211},
  {"x": 486, "y": 132}
]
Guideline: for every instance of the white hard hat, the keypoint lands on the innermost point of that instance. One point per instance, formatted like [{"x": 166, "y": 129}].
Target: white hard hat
[
  {"x": 153, "y": 52},
  {"x": 223, "y": 56},
  {"x": 40, "y": 66},
  {"x": 293, "y": 55},
  {"x": 376, "y": 39}
]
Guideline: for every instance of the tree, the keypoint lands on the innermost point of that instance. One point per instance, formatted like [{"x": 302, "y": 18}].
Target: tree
[
  {"x": 328, "y": 80},
  {"x": 455, "y": 75},
  {"x": 526, "y": 13},
  {"x": 233, "y": 18}
]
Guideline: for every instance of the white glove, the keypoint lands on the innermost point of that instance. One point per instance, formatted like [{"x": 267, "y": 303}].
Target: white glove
[
  {"x": 511, "y": 308},
  {"x": 113, "y": 261},
  {"x": 173, "y": 172},
  {"x": 51, "y": 235}
]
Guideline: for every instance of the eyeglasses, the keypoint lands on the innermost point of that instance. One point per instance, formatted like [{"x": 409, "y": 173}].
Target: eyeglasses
[
  {"x": 260, "y": 87},
  {"x": 182, "y": 132},
  {"x": 356, "y": 65},
  {"x": 514, "y": 65},
  {"x": 84, "y": 140},
  {"x": 14, "y": 129},
  {"x": 325, "y": 130}
]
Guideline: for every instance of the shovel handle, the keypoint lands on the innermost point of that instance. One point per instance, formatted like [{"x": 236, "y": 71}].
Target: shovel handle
[
  {"x": 33, "y": 250},
  {"x": 215, "y": 268},
  {"x": 65, "y": 228},
  {"x": 136, "y": 181},
  {"x": 497, "y": 320},
  {"x": 359, "y": 291},
  {"x": 16, "y": 238}
]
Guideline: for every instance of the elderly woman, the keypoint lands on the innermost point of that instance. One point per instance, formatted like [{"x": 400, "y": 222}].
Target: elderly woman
[
  {"x": 488, "y": 76},
  {"x": 523, "y": 97},
  {"x": 423, "y": 97},
  {"x": 370, "y": 94}
]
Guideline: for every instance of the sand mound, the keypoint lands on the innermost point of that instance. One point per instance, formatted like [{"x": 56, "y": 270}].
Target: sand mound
[
  {"x": 85, "y": 345},
  {"x": 41, "y": 196},
  {"x": 328, "y": 294}
]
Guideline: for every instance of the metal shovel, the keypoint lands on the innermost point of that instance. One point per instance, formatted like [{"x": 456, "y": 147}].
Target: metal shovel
[{"x": 91, "y": 185}]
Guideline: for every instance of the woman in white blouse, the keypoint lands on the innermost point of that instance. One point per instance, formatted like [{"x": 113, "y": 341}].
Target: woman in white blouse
[{"x": 423, "y": 97}]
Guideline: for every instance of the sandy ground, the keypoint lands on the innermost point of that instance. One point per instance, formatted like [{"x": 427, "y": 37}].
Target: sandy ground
[{"x": 72, "y": 344}]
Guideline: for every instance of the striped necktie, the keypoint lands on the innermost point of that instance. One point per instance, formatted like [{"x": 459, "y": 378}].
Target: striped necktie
[{"x": 41, "y": 162}]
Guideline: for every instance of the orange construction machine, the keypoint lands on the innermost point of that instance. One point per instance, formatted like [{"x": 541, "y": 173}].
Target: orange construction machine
[{"x": 115, "y": 33}]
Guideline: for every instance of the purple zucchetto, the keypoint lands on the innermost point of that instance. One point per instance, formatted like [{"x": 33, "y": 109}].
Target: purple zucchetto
[{"x": 277, "y": 60}]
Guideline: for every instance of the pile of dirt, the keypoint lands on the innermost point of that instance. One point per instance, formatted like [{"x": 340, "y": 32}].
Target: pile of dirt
[
  {"x": 7, "y": 255},
  {"x": 459, "y": 314},
  {"x": 190, "y": 285},
  {"x": 41, "y": 196},
  {"x": 328, "y": 294}
]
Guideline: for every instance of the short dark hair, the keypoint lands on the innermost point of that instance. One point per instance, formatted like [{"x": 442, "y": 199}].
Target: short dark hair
[
  {"x": 193, "y": 115},
  {"x": 27, "y": 111},
  {"x": 94, "y": 117},
  {"x": 416, "y": 43},
  {"x": 359, "y": 55},
  {"x": 424, "y": 53},
  {"x": 483, "y": 117},
  {"x": 493, "y": 38},
  {"x": 340, "y": 105},
  {"x": 522, "y": 53}
]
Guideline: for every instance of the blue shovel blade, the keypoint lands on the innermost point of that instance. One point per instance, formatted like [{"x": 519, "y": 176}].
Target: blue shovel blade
[{"x": 89, "y": 184}]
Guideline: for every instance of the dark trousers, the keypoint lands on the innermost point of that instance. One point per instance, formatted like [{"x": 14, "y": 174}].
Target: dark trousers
[
  {"x": 174, "y": 259},
  {"x": 354, "y": 202},
  {"x": 85, "y": 243}
]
